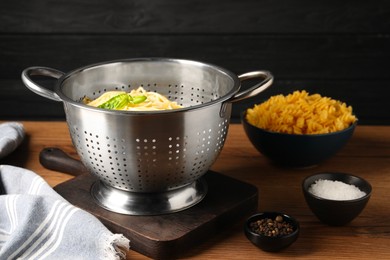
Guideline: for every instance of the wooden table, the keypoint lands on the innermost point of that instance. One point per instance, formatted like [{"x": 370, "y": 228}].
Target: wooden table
[{"x": 366, "y": 155}]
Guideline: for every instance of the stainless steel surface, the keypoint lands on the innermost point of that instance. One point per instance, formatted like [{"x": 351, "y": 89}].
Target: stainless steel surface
[
  {"x": 156, "y": 203},
  {"x": 257, "y": 88},
  {"x": 41, "y": 71},
  {"x": 151, "y": 152}
]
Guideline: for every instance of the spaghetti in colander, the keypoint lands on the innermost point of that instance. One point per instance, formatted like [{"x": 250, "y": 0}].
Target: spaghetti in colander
[
  {"x": 301, "y": 113},
  {"x": 137, "y": 100}
]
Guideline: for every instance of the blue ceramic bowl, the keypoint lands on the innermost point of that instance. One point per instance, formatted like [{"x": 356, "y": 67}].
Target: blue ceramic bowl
[
  {"x": 336, "y": 212},
  {"x": 268, "y": 243},
  {"x": 296, "y": 150}
]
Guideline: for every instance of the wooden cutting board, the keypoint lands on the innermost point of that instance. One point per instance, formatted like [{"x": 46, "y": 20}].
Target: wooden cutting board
[
  {"x": 163, "y": 236},
  {"x": 166, "y": 236}
]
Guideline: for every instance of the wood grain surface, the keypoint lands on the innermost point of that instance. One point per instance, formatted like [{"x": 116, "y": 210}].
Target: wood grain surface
[
  {"x": 335, "y": 48},
  {"x": 366, "y": 155},
  {"x": 194, "y": 16}
]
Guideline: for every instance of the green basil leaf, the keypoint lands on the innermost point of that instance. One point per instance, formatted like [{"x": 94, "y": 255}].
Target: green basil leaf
[
  {"x": 137, "y": 99},
  {"x": 116, "y": 102}
]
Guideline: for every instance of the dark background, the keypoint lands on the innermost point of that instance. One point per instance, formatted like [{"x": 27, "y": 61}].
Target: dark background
[{"x": 336, "y": 48}]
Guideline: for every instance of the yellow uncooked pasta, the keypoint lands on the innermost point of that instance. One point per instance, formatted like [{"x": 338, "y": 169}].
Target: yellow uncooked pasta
[
  {"x": 137, "y": 100},
  {"x": 301, "y": 113}
]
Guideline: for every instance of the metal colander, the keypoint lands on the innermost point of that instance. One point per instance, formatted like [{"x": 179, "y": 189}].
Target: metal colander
[{"x": 137, "y": 153}]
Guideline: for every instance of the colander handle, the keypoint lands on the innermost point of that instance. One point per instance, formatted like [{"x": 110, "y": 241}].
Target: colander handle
[
  {"x": 256, "y": 89},
  {"x": 36, "y": 88}
]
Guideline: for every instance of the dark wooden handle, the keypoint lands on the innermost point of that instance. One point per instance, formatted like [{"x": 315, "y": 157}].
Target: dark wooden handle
[{"x": 57, "y": 160}]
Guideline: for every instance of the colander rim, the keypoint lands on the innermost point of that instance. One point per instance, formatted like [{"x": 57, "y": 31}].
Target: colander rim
[{"x": 236, "y": 85}]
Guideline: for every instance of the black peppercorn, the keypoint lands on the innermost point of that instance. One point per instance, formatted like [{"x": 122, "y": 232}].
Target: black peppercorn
[{"x": 271, "y": 227}]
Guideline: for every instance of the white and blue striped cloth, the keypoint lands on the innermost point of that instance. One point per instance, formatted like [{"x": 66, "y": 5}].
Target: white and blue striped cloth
[
  {"x": 37, "y": 223},
  {"x": 11, "y": 135}
]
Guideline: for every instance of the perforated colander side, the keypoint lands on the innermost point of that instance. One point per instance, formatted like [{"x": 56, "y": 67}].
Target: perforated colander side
[{"x": 147, "y": 163}]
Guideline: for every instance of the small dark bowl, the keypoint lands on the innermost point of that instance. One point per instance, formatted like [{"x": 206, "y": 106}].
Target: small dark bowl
[
  {"x": 267, "y": 243},
  {"x": 336, "y": 212},
  {"x": 296, "y": 150}
]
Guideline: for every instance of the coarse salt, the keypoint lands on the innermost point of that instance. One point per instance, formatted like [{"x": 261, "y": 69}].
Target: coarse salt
[{"x": 335, "y": 190}]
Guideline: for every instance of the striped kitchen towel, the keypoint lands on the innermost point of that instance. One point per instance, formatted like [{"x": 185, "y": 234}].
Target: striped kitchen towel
[
  {"x": 37, "y": 223},
  {"x": 11, "y": 136}
]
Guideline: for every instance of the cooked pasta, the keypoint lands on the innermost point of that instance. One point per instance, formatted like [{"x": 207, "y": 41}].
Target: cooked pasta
[
  {"x": 301, "y": 113},
  {"x": 137, "y": 100}
]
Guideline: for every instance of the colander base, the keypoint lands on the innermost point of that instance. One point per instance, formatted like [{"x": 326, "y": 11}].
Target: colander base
[{"x": 156, "y": 203}]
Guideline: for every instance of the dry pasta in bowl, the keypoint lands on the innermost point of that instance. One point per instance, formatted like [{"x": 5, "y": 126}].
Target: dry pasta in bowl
[
  {"x": 299, "y": 129},
  {"x": 301, "y": 113}
]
